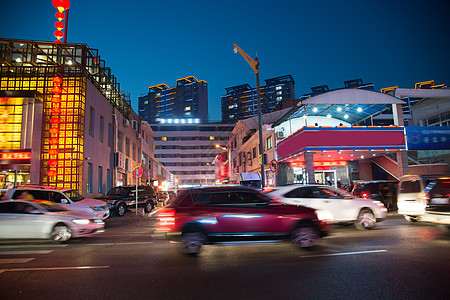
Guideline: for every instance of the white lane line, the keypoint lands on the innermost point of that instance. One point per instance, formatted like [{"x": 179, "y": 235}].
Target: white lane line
[
  {"x": 111, "y": 244},
  {"x": 54, "y": 269},
  {"x": 26, "y": 252},
  {"x": 33, "y": 246},
  {"x": 344, "y": 253},
  {"x": 15, "y": 260}
]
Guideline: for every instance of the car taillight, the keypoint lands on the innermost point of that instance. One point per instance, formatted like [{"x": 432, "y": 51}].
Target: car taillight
[
  {"x": 365, "y": 195},
  {"x": 166, "y": 220},
  {"x": 424, "y": 197}
]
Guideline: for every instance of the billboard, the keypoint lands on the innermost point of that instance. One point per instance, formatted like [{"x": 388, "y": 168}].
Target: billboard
[{"x": 427, "y": 138}]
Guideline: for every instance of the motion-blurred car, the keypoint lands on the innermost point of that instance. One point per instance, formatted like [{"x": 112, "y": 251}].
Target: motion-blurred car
[
  {"x": 122, "y": 198},
  {"x": 38, "y": 219},
  {"x": 68, "y": 198},
  {"x": 225, "y": 213},
  {"x": 343, "y": 206},
  {"x": 382, "y": 190}
]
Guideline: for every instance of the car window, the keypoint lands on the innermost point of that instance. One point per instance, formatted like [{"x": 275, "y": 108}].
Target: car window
[
  {"x": 438, "y": 186},
  {"x": 301, "y": 192},
  {"x": 329, "y": 193},
  {"x": 184, "y": 199},
  {"x": 249, "y": 197},
  {"x": 221, "y": 198},
  {"x": 52, "y": 207},
  {"x": 7, "y": 208},
  {"x": 56, "y": 197},
  {"x": 74, "y": 195},
  {"x": 30, "y": 194},
  {"x": 16, "y": 207},
  {"x": 412, "y": 186}
]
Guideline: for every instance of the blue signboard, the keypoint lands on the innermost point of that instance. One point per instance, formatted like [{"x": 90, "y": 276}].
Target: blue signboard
[{"x": 427, "y": 138}]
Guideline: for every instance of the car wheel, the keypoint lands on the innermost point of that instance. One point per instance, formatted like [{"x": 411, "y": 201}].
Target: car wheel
[
  {"x": 60, "y": 233},
  {"x": 305, "y": 236},
  {"x": 366, "y": 220},
  {"x": 412, "y": 219},
  {"x": 148, "y": 206},
  {"x": 121, "y": 209},
  {"x": 192, "y": 242}
]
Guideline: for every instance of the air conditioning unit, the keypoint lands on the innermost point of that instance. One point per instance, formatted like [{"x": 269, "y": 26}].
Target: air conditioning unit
[
  {"x": 119, "y": 160},
  {"x": 280, "y": 135},
  {"x": 126, "y": 122}
]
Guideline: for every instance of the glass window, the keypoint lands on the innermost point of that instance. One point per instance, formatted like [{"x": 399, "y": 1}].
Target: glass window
[
  {"x": 102, "y": 125},
  {"x": 91, "y": 122},
  {"x": 303, "y": 192},
  {"x": 110, "y": 135},
  {"x": 252, "y": 198},
  {"x": 412, "y": 186},
  {"x": 329, "y": 193},
  {"x": 108, "y": 179},
  {"x": 216, "y": 198},
  {"x": 90, "y": 174},
  {"x": 100, "y": 180},
  {"x": 120, "y": 142},
  {"x": 127, "y": 147}
]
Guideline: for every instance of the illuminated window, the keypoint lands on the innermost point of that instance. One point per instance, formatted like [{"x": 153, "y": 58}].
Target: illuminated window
[
  {"x": 187, "y": 108},
  {"x": 164, "y": 138},
  {"x": 269, "y": 144},
  {"x": 211, "y": 138}
]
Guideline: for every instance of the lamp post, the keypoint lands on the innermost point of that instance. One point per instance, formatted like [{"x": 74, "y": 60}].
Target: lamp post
[
  {"x": 229, "y": 161},
  {"x": 254, "y": 63}
]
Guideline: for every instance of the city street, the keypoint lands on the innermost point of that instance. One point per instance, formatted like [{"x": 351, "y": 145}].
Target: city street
[{"x": 396, "y": 260}]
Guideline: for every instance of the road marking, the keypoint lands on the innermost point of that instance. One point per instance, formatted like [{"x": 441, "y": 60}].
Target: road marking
[
  {"x": 26, "y": 252},
  {"x": 32, "y": 246},
  {"x": 112, "y": 244},
  {"x": 15, "y": 260},
  {"x": 54, "y": 269},
  {"x": 344, "y": 253}
]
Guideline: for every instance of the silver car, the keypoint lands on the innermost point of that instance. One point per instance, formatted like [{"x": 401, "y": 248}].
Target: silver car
[
  {"x": 38, "y": 219},
  {"x": 342, "y": 206}
]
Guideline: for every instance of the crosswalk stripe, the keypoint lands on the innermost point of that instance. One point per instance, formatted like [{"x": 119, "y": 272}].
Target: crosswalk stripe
[
  {"x": 26, "y": 252},
  {"x": 15, "y": 260}
]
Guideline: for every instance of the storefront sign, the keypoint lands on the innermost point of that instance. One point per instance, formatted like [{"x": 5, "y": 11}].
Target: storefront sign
[
  {"x": 15, "y": 157},
  {"x": 427, "y": 138}
]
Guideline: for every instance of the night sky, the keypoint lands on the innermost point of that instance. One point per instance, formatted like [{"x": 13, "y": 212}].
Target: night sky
[{"x": 388, "y": 43}]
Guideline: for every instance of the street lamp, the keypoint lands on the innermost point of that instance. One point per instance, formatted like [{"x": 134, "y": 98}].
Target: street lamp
[
  {"x": 229, "y": 161},
  {"x": 254, "y": 63}
]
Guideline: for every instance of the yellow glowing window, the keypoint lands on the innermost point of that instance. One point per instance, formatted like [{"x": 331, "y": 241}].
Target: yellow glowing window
[{"x": 164, "y": 138}]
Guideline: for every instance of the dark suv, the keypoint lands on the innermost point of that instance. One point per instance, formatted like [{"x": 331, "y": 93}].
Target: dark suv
[
  {"x": 235, "y": 213},
  {"x": 120, "y": 199},
  {"x": 381, "y": 190},
  {"x": 437, "y": 194}
]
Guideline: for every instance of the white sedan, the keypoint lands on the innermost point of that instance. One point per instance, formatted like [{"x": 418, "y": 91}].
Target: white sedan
[
  {"x": 342, "y": 206},
  {"x": 40, "y": 219}
]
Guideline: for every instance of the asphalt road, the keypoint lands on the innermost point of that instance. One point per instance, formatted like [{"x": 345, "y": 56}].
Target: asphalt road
[{"x": 396, "y": 260}]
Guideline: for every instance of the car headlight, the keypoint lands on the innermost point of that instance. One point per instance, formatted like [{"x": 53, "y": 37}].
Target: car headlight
[{"x": 81, "y": 221}]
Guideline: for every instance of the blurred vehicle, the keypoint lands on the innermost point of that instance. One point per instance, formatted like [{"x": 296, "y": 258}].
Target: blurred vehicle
[
  {"x": 70, "y": 199},
  {"x": 162, "y": 197},
  {"x": 227, "y": 213},
  {"x": 424, "y": 198},
  {"x": 122, "y": 198},
  {"x": 343, "y": 206},
  {"x": 38, "y": 219},
  {"x": 381, "y": 190},
  {"x": 2, "y": 192}
]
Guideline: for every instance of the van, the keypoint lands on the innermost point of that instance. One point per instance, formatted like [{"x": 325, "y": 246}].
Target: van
[{"x": 413, "y": 200}]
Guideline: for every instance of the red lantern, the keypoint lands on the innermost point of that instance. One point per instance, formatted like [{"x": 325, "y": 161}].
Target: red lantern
[
  {"x": 53, "y": 141},
  {"x": 55, "y": 110},
  {"x": 56, "y": 99},
  {"x": 56, "y": 90},
  {"x": 52, "y": 163},
  {"x": 57, "y": 42},
  {"x": 59, "y": 25},
  {"x": 54, "y": 131},
  {"x": 60, "y": 16},
  {"x": 54, "y": 120},
  {"x": 53, "y": 151},
  {"x": 59, "y": 34},
  {"x": 57, "y": 80},
  {"x": 61, "y": 5},
  {"x": 51, "y": 173}
]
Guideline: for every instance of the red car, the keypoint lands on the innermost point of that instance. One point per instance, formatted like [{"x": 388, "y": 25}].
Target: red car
[{"x": 227, "y": 213}]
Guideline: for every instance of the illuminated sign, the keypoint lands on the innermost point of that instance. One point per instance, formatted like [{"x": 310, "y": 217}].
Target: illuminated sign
[{"x": 15, "y": 157}]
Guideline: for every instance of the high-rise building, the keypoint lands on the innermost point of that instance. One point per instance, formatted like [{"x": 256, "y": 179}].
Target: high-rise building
[
  {"x": 188, "y": 100},
  {"x": 240, "y": 102}
]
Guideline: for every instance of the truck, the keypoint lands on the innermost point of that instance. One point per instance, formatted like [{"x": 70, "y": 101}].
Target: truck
[{"x": 250, "y": 180}]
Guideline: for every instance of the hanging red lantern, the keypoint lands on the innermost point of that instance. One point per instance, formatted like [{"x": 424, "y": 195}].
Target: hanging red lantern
[
  {"x": 56, "y": 99},
  {"x": 51, "y": 173},
  {"x": 53, "y": 151},
  {"x": 54, "y": 131},
  {"x": 61, "y": 5},
  {"x": 53, "y": 141},
  {"x": 56, "y": 90},
  {"x": 52, "y": 163},
  {"x": 57, "y": 42},
  {"x": 55, "y": 110},
  {"x": 60, "y": 16},
  {"x": 59, "y": 25},
  {"x": 57, "y": 80},
  {"x": 54, "y": 120},
  {"x": 58, "y": 34}
]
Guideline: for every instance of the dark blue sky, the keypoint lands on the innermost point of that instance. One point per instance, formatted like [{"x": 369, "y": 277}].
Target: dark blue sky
[{"x": 317, "y": 42}]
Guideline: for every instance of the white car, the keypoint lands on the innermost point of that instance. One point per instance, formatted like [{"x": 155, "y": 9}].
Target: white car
[
  {"x": 342, "y": 206},
  {"x": 70, "y": 199},
  {"x": 20, "y": 219}
]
